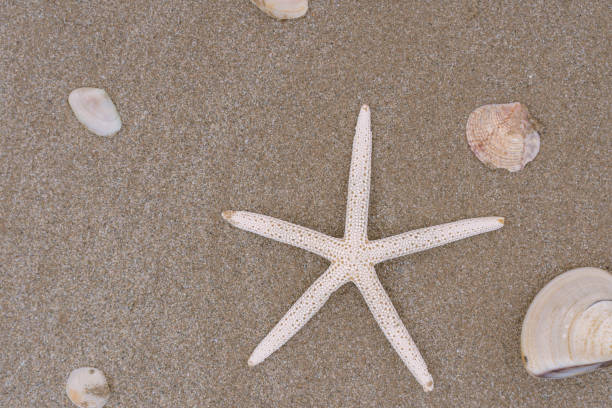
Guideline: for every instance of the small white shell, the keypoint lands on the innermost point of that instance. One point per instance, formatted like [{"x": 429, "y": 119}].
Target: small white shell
[
  {"x": 94, "y": 109},
  {"x": 501, "y": 136},
  {"x": 568, "y": 328},
  {"x": 282, "y": 9},
  {"x": 87, "y": 388}
]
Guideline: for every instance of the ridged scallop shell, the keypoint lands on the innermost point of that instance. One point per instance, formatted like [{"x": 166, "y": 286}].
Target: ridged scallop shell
[
  {"x": 282, "y": 9},
  {"x": 95, "y": 109},
  {"x": 568, "y": 327},
  {"x": 87, "y": 388},
  {"x": 501, "y": 136}
]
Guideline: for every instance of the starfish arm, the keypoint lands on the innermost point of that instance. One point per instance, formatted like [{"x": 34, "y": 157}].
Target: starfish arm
[
  {"x": 390, "y": 323},
  {"x": 430, "y": 237},
  {"x": 359, "y": 179},
  {"x": 286, "y": 232},
  {"x": 302, "y": 310}
]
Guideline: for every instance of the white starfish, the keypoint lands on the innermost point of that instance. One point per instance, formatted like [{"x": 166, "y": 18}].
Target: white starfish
[{"x": 353, "y": 258}]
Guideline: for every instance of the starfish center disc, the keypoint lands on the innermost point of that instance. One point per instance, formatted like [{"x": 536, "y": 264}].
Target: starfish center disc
[{"x": 355, "y": 256}]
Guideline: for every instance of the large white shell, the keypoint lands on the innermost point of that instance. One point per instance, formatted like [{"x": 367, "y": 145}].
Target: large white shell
[
  {"x": 568, "y": 327},
  {"x": 87, "y": 388},
  {"x": 501, "y": 136},
  {"x": 282, "y": 9},
  {"x": 94, "y": 109}
]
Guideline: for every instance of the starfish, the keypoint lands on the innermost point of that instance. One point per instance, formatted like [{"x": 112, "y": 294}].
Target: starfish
[{"x": 353, "y": 258}]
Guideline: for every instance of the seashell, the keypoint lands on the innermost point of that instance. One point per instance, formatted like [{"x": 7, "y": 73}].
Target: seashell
[
  {"x": 568, "y": 328},
  {"x": 87, "y": 388},
  {"x": 282, "y": 9},
  {"x": 501, "y": 136},
  {"x": 94, "y": 109}
]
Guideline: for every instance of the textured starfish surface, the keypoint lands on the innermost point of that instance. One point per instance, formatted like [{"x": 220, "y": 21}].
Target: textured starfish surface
[{"x": 353, "y": 258}]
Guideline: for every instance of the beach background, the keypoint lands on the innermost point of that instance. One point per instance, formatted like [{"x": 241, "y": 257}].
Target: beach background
[{"x": 114, "y": 253}]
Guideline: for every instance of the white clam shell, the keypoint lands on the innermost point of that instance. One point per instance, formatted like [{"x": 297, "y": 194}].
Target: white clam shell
[
  {"x": 282, "y": 9},
  {"x": 501, "y": 136},
  {"x": 87, "y": 388},
  {"x": 568, "y": 328},
  {"x": 95, "y": 109}
]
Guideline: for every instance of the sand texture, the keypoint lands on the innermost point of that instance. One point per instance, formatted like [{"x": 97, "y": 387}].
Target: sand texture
[{"x": 114, "y": 254}]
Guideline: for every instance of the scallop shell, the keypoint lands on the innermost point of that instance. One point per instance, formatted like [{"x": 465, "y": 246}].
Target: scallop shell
[
  {"x": 568, "y": 328},
  {"x": 94, "y": 109},
  {"x": 87, "y": 388},
  {"x": 501, "y": 136},
  {"x": 282, "y": 9}
]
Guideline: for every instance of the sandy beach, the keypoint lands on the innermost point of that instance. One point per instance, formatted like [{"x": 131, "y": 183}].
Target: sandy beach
[{"x": 114, "y": 254}]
